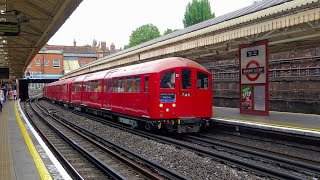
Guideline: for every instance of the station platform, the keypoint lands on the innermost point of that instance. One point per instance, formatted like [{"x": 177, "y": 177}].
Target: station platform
[
  {"x": 296, "y": 123},
  {"x": 23, "y": 154}
]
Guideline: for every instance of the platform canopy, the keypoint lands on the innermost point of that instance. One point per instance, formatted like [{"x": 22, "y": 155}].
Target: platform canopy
[{"x": 26, "y": 26}]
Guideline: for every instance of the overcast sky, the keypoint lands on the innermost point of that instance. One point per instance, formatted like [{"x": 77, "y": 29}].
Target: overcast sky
[{"x": 114, "y": 20}]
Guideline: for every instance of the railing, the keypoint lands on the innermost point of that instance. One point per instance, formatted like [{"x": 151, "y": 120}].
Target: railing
[{"x": 290, "y": 72}]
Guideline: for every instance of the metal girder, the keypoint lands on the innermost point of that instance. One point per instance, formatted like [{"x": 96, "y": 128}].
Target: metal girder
[{"x": 44, "y": 17}]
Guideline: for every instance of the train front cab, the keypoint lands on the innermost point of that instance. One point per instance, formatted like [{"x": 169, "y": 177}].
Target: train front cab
[{"x": 185, "y": 99}]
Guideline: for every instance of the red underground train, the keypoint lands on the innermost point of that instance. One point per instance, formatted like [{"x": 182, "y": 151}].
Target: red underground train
[{"x": 172, "y": 93}]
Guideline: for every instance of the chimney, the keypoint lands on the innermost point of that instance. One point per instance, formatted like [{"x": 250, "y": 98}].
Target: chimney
[
  {"x": 74, "y": 43},
  {"x": 103, "y": 46},
  {"x": 112, "y": 47}
]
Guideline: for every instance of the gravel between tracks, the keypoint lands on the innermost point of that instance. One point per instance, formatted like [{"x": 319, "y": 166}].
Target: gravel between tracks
[
  {"x": 274, "y": 146},
  {"x": 187, "y": 163}
]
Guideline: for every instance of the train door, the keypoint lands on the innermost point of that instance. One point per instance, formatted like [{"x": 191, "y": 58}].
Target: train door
[
  {"x": 146, "y": 96},
  {"x": 105, "y": 95},
  {"x": 203, "y": 91},
  {"x": 186, "y": 92}
]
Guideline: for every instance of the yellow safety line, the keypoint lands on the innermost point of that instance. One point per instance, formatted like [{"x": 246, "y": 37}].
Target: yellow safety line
[
  {"x": 270, "y": 124},
  {"x": 43, "y": 171}
]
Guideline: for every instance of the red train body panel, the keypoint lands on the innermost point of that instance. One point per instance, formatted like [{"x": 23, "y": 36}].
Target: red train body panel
[{"x": 174, "y": 90}]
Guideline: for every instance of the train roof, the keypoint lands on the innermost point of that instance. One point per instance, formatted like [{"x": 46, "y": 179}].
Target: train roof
[
  {"x": 97, "y": 75},
  {"x": 157, "y": 66},
  {"x": 80, "y": 78},
  {"x": 64, "y": 81}
]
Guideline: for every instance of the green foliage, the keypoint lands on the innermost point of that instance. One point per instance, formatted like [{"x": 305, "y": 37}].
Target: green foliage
[
  {"x": 168, "y": 31},
  {"x": 196, "y": 12},
  {"x": 143, "y": 34}
]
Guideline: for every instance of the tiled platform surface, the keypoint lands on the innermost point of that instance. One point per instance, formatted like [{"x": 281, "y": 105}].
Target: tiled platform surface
[
  {"x": 23, "y": 154},
  {"x": 299, "y": 123}
]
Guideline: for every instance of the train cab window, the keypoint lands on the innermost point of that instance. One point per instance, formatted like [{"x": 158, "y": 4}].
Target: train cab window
[
  {"x": 146, "y": 83},
  {"x": 115, "y": 85},
  {"x": 121, "y": 85},
  {"x": 136, "y": 84},
  {"x": 202, "y": 80},
  {"x": 186, "y": 79},
  {"x": 168, "y": 80},
  {"x": 128, "y": 84}
]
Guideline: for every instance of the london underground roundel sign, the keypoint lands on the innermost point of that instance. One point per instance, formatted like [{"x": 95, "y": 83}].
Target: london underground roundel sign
[
  {"x": 253, "y": 77},
  {"x": 253, "y": 64}
]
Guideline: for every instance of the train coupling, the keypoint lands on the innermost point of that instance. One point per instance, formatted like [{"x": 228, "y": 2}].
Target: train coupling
[{"x": 189, "y": 125}]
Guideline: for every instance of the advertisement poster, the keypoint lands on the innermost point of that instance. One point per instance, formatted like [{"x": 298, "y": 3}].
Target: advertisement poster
[{"x": 246, "y": 92}]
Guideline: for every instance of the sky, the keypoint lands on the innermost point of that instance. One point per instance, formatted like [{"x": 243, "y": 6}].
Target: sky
[{"x": 114, "y": 20}]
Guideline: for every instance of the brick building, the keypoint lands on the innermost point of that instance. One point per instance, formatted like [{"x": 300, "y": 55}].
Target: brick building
[{"x": 53, "y": 61}]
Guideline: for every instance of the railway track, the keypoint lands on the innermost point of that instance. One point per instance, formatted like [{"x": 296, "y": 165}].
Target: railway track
[
  {"x": 102, "y": 159},
  {"x": 266, "y": 165},
  {"x": 299, "y": 167},
  {"x": 120, "y": 160}
]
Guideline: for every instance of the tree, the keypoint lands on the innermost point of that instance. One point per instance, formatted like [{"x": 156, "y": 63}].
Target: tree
[
  {"x": 143, "y": 34},
  {"x": 168, "y": 31},
  {"x": 196, "y": 12}
]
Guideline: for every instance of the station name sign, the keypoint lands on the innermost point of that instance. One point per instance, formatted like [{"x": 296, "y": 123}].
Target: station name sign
[
  {"x": 253, "y": 70},
  {"x": 9, "y": 29}
]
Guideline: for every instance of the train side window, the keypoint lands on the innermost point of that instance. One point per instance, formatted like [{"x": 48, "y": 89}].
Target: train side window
[
  {"x": 88, "y": 86},
  {"x": 105, "y": 86},
  {"x": 121, "y": 85},
  {"x": 99, "y": 86},
  {"x": 115, "y": 85},
  {"x": 110, "y": 87},
  {"x": 202, "y": 80},
  {"x": 92, "y": 86},
  {"x": 146, "y": 83},
  {"x": 128, "y": 84},
  {"x": 64, "y": 88},
  {"x": 136, "y": 84},
  {"x": 168, "y": 80},
  {"x": 186, "y": 79},
  {"x": 84, "y": 87}
]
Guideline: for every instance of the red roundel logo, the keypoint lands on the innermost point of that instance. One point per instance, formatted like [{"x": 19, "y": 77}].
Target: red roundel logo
[{"x": 253, "y": 70}]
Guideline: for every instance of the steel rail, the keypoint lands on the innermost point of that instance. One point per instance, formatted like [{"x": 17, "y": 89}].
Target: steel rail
[
  {"x": 104, "y": 167},
  {"x": 171, "y": 174}
]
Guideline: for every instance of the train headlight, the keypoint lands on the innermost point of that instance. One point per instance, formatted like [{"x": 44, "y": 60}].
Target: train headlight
[
  {"x": 167, "y": 109},
  {"x": 161, "y": 105},
  {"x": 174, "y": 105}
]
